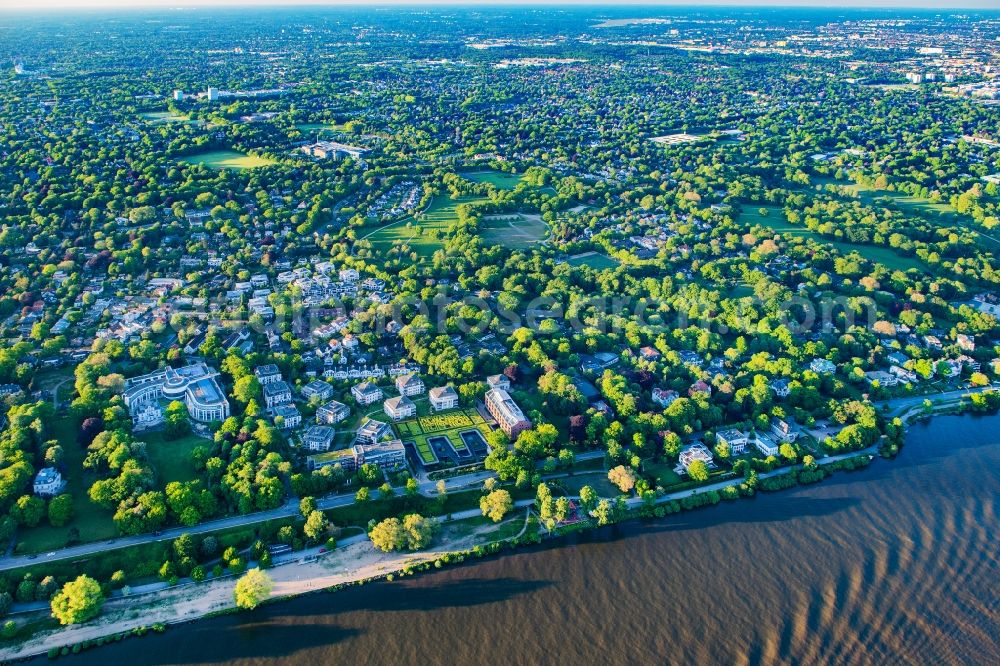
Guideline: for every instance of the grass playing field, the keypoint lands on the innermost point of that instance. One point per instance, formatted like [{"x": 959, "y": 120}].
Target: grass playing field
[
  {"x": 499, "y": 179},
  {"x": 161, "y": 117},
  {"x": 228, "y": 159},
  {"x": 595, "y": 260},
  {"x": 516, "y": 231}
]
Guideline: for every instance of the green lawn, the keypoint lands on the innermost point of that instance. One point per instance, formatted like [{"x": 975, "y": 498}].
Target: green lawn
[
  {"x": 595, "y": 260},
  {"x": 596, "y": 480},
  {"x": 663, "y": 472},
  {"x": 172, "y": 459},
  {"x": 228, "y": 159},
  {"x": 93, "y": 522},
  {"x": 423, "y": 233},
  {"x": 775, "y": 220},
  {"x": 161, "y": 117},
  {"x": 424, "y": 450},
  {"x": 939, "y": 212},
  {"x": 498, "y": 179},
  {"x": 515, "y": 231}
]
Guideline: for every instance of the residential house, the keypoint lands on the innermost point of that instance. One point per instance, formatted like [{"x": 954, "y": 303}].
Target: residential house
[
  {"x": 410, "y": 384},
  {"x": 366, "y": 393},
  {"x": 317, "y": 389},
  {"x": 48, "y": 482},
  {"x": 649, "y": 353},
  {"x": 822, "y": 366},
  {"x": 691, "y": 453},
  {"x": 898, "y": 358},
  {"x": 443, "y": 397},
  {"x": 664, "y": 397},
  {"x": 785, "y": 430},
  {"x": 318, "y": 438},
  {"x": 289, "y": 415},
  {"x": 372, "y": 431},
  {"x": 765, "y": 444},
  {"x": 276, "y": 393},
  {"x": 735, "y": 439},
  {"x": 883, "y": 378},
  {"x": 501, "y": 382},
  {"x": 781, "y": 387},
  {"x": 267, "y": 374},
  {"x": 399, "y": 407},
  {"x": 699, "y": 388},
  {"x": 332, "y": 412}
]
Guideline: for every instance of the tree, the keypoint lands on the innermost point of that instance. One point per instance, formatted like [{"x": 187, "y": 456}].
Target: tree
[
  {"x": 306, "y": 506},
  {"x": 419, "y": 531},
  {"x": 78, "y": 601},
  {"x": 388, "y": 535},
  {"x": 604, "y": 512},
  {"x": 61, "y": 510},
  {"x": 788, "y": 452},
  {"x": 588, "y": 498},
  {"x": 28, "y": 510},
  {"x": 496, "y": 505},
  {"x": 316, "y": 525},
  {"x": 252, "y": 588},
  {"x": 413, "y": 533},
  {"x": 623, "y": 477},
  {"x": 698, "y": 471}
]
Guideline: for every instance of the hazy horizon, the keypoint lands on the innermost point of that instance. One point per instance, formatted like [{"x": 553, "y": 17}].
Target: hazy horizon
[{"x": 45, "y": 5}]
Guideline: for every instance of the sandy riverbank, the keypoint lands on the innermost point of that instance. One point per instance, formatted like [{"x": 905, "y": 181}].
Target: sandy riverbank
[{"x": 360, "y": 561}]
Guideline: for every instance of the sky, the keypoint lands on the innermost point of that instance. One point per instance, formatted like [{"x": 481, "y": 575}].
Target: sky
[{"x": 135, "y": 4}]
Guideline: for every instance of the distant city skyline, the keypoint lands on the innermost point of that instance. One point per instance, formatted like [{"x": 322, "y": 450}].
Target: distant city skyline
[{"x": 177, "y": 4}]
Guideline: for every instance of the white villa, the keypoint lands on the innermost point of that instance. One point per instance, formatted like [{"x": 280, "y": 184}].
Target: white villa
[
  {"x": 736, "y": 439},
  {"x": 399, "y": 408},
  {"x": 332, "y": 412},
  {"x": 366, "y": 393},
  {"x": 195, "y": 385},
  {"x": 443, "y": 397},
  {"x": 49, "y": 482},
  {"x": 410, "y": 385}
]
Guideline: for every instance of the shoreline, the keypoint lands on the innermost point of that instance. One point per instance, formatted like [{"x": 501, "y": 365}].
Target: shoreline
[{"x": 355, "y": 564}]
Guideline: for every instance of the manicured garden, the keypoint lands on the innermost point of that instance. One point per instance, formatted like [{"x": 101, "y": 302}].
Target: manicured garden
[
  {"x": 441, "y": 428},
  {"x": 446, "y": 421}
]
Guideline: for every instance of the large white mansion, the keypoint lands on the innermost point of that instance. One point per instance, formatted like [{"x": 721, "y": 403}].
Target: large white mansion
[{"x": 194, "y": 385}]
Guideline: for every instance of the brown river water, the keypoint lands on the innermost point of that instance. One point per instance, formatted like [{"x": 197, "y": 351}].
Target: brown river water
[{"x": 895, "y": 564}]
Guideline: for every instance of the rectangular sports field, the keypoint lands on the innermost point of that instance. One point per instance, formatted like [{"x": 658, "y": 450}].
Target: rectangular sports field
[
  {"x": 516, "y": 231},
  {"x": 595, "y": 260},
  {"x": 228, "y": 159}
]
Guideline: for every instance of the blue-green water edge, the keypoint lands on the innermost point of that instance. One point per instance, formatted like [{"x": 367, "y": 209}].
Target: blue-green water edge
[{"x": 893, "y": 564}]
